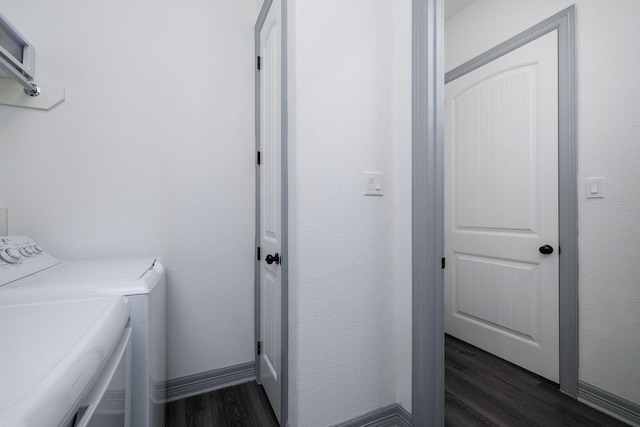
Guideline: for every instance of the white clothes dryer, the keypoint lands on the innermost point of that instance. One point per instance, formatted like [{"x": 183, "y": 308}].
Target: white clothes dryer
[
  {"x": 65, "y": 363},
  {"x": 26, "y": 268}
]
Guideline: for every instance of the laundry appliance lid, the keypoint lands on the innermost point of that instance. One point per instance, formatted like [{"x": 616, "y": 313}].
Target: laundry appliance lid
[
  {"x": 130, "y": 276},
  {"x": 52, "y": 351}
]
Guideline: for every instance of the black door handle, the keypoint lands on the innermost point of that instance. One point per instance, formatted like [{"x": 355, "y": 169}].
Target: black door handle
[
  {"x": 272, "y": 258},
  {"x": 546, "y": 250}
]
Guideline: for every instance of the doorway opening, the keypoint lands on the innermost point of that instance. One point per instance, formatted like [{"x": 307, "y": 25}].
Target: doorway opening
[
  {"x": 563, "y": 24},
  {"x": 428, "y": 197}
]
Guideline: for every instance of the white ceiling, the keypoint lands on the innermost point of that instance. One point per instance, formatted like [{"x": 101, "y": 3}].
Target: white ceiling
[{"x": 451, "y": 7}]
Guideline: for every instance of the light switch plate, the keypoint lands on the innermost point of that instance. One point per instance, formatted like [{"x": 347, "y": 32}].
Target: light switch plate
[
  {"x": 595, "y": 188},
  {"x": 3, "y": 222},
  {"x": 373, "y": 184}
]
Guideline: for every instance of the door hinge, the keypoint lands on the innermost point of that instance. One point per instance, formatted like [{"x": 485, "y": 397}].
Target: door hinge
[
  {"x": 258, "y": 253},
  {"x": 259, "y": 62},
  {"x": 259, "y": 347},
  {"x": 442, "y": 262},
  {"x": 258, "y": 157}
]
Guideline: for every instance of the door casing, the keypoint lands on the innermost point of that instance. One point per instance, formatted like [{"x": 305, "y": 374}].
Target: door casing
[
  {"x": 564, "y": 23},
  {"x": 428, "y": 79}
]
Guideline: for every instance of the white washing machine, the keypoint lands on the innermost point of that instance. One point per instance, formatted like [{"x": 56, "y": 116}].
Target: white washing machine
[
  {"x": 64, "y": 363},
  {"x": 27, "y": 269}
]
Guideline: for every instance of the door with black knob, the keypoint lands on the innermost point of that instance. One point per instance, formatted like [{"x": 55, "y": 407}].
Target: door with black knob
[
  {"x": 501, "y": 207},
  {"x": 270, "y": 227}
]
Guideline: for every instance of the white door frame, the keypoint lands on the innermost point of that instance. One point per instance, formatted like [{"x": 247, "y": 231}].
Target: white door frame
[
  {"x": 284, "y": 197},
  {"x": 428, "y": 198}
]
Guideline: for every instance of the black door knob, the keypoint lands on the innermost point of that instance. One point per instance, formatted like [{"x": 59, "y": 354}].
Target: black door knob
[
  {"x": 546, "y": 250},
  {"x": 272, "y": 258}
]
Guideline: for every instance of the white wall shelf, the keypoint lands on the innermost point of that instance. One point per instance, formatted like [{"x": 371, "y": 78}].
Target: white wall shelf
[{"x": 11, "y": 93}]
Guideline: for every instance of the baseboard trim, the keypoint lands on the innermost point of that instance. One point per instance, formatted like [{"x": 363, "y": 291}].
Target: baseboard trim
[
  {"x": 192, "y": 385},
  {"x": 608, "y": 403},
  {"x": 388, "y": 416}
]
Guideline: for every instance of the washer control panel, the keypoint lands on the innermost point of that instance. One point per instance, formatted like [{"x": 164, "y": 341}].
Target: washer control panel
[{"x": 20, "y": 257}]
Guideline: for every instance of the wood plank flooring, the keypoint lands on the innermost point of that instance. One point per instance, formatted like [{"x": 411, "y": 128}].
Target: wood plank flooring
[
  {"x": 244, "y": 405},
  {"x": 484, "y": 390},
  {"x": 481, "y": 390}
]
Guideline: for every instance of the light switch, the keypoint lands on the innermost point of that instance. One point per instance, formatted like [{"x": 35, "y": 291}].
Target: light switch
[
  {"x": 595, "y": 188},
  {"x": 374, "y": 184}
]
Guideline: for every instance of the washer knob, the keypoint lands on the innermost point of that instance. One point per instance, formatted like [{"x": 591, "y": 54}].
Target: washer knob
[
  {"x": 26, "y": 251},
  {"x": 10, "y": 255}
]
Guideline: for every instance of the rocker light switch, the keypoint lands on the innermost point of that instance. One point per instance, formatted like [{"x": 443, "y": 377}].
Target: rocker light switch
[
  {"x": 595, "y": 188},
  {"x": 374, "y": 184}
]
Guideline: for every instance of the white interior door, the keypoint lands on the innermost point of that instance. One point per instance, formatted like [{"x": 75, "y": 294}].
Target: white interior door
[
  {"x": 501, "y": 207},
  {"x": 270, "y": 205}
]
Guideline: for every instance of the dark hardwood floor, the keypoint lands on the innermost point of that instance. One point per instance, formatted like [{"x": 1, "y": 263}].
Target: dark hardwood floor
[
  {"x": 484, "y": 390},
  {"x": 481, "y": 390},
  {"x": 244, "y": 405}
]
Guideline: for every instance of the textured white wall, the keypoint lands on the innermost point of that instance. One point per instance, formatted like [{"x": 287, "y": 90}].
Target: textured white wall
[
  {"x": 349, "y": 112},
  {"x": 399, "y": 59},
  {"x": 152, "y": 153},
  {"x": 609, "y": 129},
  {"x": 487, "y": 23}
]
